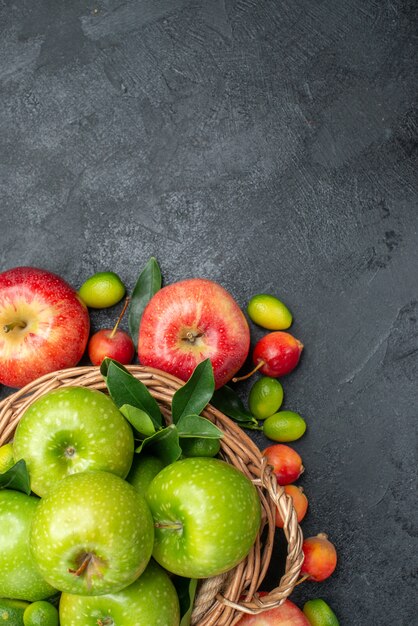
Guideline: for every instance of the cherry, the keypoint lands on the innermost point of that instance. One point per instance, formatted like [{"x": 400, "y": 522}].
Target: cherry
[
  {"x": 113, "y": 343},
  {"x": 320, "y": 558},
  {"x": 286, "y": 463},
  {"x": 275, "y": 355},
  {"x": 300, "y": 503}
]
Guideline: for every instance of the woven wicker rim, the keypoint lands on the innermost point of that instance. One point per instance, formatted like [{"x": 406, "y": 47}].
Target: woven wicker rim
[{"x": 220, "y": 600}]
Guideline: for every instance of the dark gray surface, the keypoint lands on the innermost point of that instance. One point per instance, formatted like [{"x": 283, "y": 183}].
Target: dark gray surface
[{"x": 270, "y": 146}]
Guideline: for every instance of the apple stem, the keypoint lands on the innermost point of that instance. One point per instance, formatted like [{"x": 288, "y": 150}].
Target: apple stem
[
  {"x": 191, "y": 336},
  {"x": 8, "y": 327},
  {"x": 257, "y": 367},
  {"x": 84, "y": 565},
  {"x": 122, "y": 313},
  {"x": 169, "y": 525}
]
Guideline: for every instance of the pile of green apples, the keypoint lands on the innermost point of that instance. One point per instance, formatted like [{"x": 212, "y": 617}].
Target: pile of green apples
[{"x": 109, "y": 530}]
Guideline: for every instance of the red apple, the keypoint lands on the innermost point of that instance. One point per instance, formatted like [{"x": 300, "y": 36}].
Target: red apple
[
  {"x": 286, "y": 614},
  {"x": 44, "y": 326},
  {"x": 189, "y": 321}
]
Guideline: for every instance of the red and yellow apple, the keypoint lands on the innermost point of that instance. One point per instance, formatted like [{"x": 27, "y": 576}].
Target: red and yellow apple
[
  {"x": 44, "y": 325},
  {"x": 189, "y": 321}
]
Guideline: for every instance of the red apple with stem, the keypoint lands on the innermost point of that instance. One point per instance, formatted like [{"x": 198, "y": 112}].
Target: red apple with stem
[
  {"x": 112, "y": 342},
  {"x": 44, "y": 325},
  {"x": 189, "y": 321}
]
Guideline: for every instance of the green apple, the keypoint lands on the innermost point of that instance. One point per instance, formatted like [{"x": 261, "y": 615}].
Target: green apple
[
  {"x": 206, "y": 516},
  {"x": 72, "y": 430},
  {"x": 149, "y": 601},
  {"x": 92, "y": 534},
  {"x": 19, "y": 576}
]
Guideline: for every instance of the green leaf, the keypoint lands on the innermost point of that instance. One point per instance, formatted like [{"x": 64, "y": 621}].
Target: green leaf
[
  {"x": 197, "y": 426},
  {"x": 124, "y": 388},
  {"x": 186, "y": 591},
  {"x": 147, "y": 285},
  {"x": 195, "y": 394},
  {"x": 140, "y": 420},
  {"x": 16, "y": 477},
  {"x": 105, "y": 366},
  {"x": 164, "y": 444},
  {"x": 228, "y": 401}
]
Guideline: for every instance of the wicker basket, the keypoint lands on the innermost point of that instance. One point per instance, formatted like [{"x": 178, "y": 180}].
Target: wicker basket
[{"x": 221, "y": 600}]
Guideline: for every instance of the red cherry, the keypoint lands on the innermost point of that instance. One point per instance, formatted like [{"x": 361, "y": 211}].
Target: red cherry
[
  {"x": 320, "y": 558},
  {"x": 113, "y": 343},
  {"x": 106, "y": 343},
  {"x": 300, "y": 503},
  {"x": 275, "y": 355},
  {"x": 286, "y": 463}
]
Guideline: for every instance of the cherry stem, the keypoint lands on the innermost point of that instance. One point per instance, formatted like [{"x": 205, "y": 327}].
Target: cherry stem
[
  {"x": 236, "y": 379},
  {"x": 8, "y": 327},
  {"x": 122, "y": 313},
  {"x": 302, "y": 580}
]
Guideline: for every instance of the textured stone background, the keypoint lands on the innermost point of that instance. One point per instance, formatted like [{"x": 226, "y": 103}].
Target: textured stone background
[{"x": 269, "y": 145}]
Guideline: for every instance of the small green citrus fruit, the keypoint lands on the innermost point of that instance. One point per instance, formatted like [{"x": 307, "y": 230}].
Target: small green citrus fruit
[
  {"x": 269, "y": 312},
  {"x": 41, "y": 613},
  {"x": 266, "y": 397},
  {"x": 11, "y": 611},
  {"x": 199, "y": 446},
  {"x": 6, "y": 458},
  {"x": 284, "y": 426},
  {"x": 319, "y": 613},
  {"x": 102, "y": 290}
]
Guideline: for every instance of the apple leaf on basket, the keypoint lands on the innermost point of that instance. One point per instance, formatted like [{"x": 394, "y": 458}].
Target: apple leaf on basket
[
  {"x": 148, "y": 283},
  {"x": 141, "y": 410},
  {"x": 197, "y": 426},
  {"x": 164, "y": 444},
  {"x": 126, "y": 389},
  {"x": 140, "y": 420},
  {"x": 228, "y": 401},
  {"x": 193, "y": 396},
  {"x": 16, "y": 477}
]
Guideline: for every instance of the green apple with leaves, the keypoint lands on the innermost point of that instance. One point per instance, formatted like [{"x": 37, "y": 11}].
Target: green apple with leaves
[
  {"x": 19, "y": 575},
  {"x": 150, "y": 600},
  {"x": 70, "y": 430},
  {"x": 206, "y": 514},
  {"x": 92, "y": 534}
]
